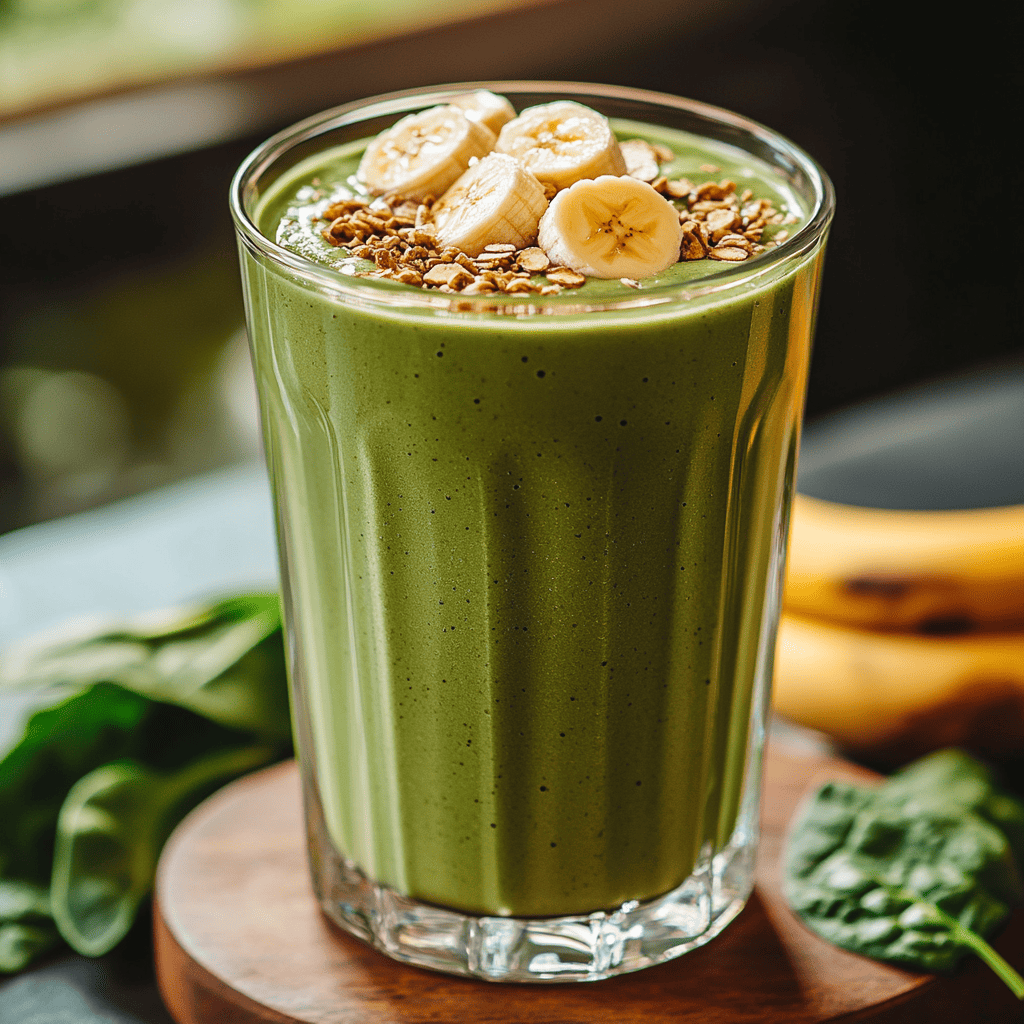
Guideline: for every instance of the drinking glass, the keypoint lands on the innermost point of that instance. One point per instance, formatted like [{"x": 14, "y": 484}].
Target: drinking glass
[{"x": 532, "y": 550}]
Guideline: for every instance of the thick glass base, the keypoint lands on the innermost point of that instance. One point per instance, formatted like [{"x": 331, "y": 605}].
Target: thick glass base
[{"x": 552, "y": 949}]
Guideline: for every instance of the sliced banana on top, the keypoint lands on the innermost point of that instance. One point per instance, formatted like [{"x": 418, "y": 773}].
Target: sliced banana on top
[
  {"x": 562, "y": 142},
  {"x": 496, "y": 201},
  {"x": 424, "y": 153},
  {"x": 490, "y": 109},
  {"x": 611, "y": 227}
]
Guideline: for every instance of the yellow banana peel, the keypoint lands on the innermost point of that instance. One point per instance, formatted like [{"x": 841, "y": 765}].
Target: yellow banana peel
[
  {"x": 880, "y": 693},
  {"x": 904, "y": 631},
  {"x": 927, "y": 572}
]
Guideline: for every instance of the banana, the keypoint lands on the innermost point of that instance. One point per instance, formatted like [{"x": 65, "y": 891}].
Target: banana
[
  {"x": 488, "y": 108},
  {"x": 562, "y": 142},
  {"x": 424, "y": 153},
  {"x": 919, "y": 571},
  {"x": 611, "y": 227},
  {"x": 496, "y": 201},
  {"x": 889, "y": 694}
]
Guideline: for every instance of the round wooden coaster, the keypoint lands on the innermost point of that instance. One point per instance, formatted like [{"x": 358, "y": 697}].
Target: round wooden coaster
[{"x": 241, "y": 940}]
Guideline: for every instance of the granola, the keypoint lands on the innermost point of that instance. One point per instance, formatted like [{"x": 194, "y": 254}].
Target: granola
[{"x": 397, "y": 236}]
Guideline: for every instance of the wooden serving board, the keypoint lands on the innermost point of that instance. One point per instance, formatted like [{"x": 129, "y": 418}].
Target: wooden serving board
[{"x": 241, "y": 940}]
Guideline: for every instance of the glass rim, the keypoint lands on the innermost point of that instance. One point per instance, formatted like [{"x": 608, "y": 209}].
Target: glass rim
[{"x": 378, "y": 291}]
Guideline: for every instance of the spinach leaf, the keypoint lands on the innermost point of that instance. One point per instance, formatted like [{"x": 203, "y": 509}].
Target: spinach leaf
[
  {"x": 26, "y": 927},
  {"x": 112, "y": 827},
  {"x": 104, "y": 723},
  {"x": 915, "y": 872},
  {"x": 223, "y": 660},
  {"x": 60, "y": 745},
  {"x": 163, "y": 708},
  {"x": 22, "y": 943},
  {"x": 950, "y": 781}
]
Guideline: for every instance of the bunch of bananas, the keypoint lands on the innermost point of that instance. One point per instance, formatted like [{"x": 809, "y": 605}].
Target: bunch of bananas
[{"x": 903, "y": 631}]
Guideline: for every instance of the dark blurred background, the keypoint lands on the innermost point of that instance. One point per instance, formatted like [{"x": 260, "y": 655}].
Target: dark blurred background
[{"x": 122, "y": 352}]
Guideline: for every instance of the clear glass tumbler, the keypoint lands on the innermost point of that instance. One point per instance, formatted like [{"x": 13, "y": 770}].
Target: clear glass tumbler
[{"x": 532, "y": 552}]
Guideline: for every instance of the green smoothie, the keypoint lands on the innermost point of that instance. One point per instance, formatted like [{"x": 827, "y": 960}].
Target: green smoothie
[{"x": 531, "y": 559}]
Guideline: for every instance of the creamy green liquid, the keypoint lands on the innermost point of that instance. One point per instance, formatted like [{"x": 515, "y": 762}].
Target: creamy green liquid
[{"x": 527, "y": 565}]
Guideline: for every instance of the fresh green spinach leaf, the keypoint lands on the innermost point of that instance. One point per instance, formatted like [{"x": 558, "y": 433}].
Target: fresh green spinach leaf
[
  {"x": 60, "y": 745},
  {"x": 917, "y": 871},
  {"x": 26, "y": 927},
  {"x": 112, "y": 828},
  {"x": 100, "y": 725},
  {"x": 221, "y": 660},
  {"x": 162, "y": 708},
  {"x": 22, "y": 943},
  {"x": 950, "y": 781}
]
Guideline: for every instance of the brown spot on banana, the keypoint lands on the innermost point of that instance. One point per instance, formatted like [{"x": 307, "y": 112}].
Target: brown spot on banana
[
  {"x": 929, "y": 605},
  {"x": 904, "y": 570},
  {"x": 880, "y": 585}
]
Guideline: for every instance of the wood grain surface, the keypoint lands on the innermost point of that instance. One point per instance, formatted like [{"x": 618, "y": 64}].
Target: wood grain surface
[{"x": 241, "y": 940}]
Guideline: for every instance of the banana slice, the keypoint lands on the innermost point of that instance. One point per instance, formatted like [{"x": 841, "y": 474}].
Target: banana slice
[
  {"x": 424, "y": 153},
  {"x": 611, "y": 227},
  {"x": 562, "y": 142},
  {"x": 496, "y": 201},
  {"x": 490, "y": 109}
]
